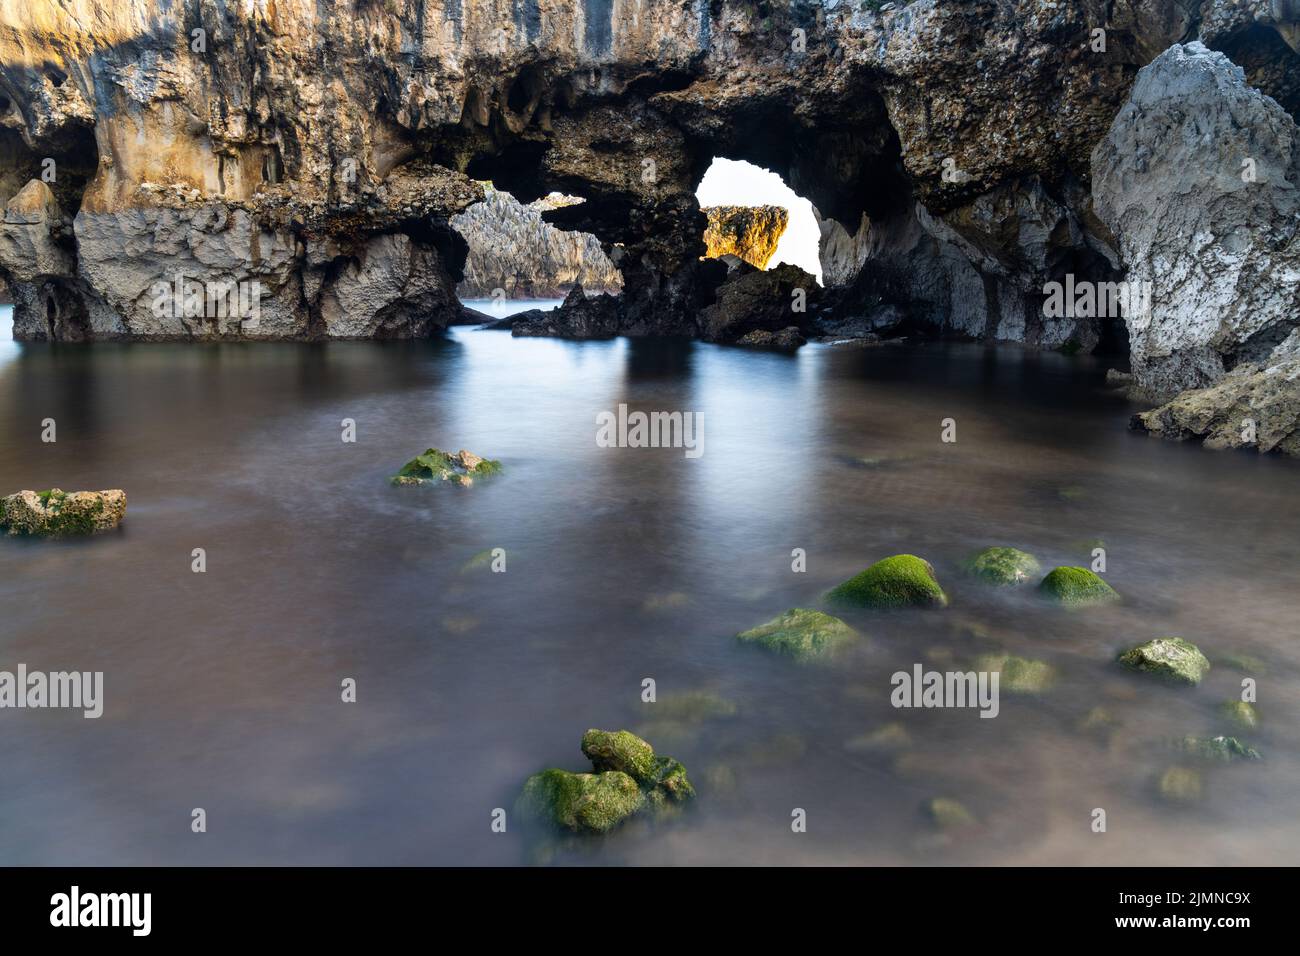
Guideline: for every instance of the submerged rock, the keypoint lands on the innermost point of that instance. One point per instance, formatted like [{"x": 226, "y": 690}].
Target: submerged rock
[
  {"x": 57, "y": 513},
  {"x": 1076, "y": 587},
  {"x": 629, "y": 778},
  {"x": 801, "y": 634},
  {"x": 1218, "y": 749},
  {"x": 1003, "y": 566},
  {"x": 436, "y": 465},
  {"x": 948, "y": 814},
  {"x": 1019, "y": 675},
  {"x": 1170, "y": 658},
  {"x": 903, "y": 580},
  {"x": 1181, "y": 785},
  {"x": 1242, "y": 713}
]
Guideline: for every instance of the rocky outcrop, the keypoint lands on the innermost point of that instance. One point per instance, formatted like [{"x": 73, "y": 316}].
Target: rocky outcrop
[
  {"x": 749, "y": 233},
  {"x": 1198, "y": 176},
  {"x": 513, "y": 249},
  {"x": 57, "y": 513},
  {"x": 579, "y": 316},
  {"x": 759, "y": 301}
]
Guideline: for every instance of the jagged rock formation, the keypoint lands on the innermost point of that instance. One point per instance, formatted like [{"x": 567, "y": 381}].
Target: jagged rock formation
[
  {"x": 1200, "y": 177},
  {"x": 311, "y": 153},
  {"x": 749, "y": 233},
  {"x": 513, "y": 249}
]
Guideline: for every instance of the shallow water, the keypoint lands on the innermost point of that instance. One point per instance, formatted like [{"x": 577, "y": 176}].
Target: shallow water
[
  {"x": 223, "y": 688},
  {"x": 501, "y": 308}
]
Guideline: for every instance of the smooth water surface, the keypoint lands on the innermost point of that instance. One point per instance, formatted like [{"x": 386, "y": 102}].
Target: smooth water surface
[{"x": 223, "y": 688}]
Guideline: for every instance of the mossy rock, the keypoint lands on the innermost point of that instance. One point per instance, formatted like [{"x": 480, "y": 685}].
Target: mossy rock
[
  {"x": 629, "y": 778},
  {"x": 1217, "y": 749},
  {"x": 580, "y": 802},
  {"x": 903, "y": 580},
  {"x": 1246, "y": 663},
  {"x": 801, "y": 634},
  {"x": 1018, "y": 674},
  {"x": 1077, "y": 587},
  {"x": 1181, "y": 785},
  {"x": 56, "y": 513},
  {"x": 627, "y": 753},
  {"x": 1242, "y": 713},
  {"x": 1002, "y": 566},
  {"x": 435, "y": 465},
  {"x": 1169, "y": 658},
  {"x": 948, "y": 814},
  {"x": 620, "y": 750}
]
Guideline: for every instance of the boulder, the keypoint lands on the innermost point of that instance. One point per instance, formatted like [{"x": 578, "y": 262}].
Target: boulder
[
  {"x": 1002, "y": 566},
  {"x": 1217, "y": 749},
  {"x": 1242, "y": 713},
  {"x": 629, "y": 777},
  {"x": 435, "y": 465},
  {"x": 1198, "y": 178},
  {"x": 759, "y": 302},
  {"x": 1019, "y": 675},
  {"x": 903, "y": 580},
  {"x": 1181, "y": 785},
  {"x": 56, "y": 513},
  {"x": 1169, "y": 658},
  {"x": 1077, "y": 587},
  {"x": 579, "y": 316}
]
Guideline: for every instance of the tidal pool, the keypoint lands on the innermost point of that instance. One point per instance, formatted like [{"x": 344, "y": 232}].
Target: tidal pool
[{"x": 222, "y": 689}]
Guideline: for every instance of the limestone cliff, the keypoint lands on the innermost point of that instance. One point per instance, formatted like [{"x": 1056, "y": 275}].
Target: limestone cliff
[
  {"x": 750, "y": 233},
  {"x": 311, "y": 153},
  {"x": 513, "y": 249}
]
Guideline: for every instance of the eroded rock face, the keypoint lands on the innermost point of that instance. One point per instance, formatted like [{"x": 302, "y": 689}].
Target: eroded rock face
[
  {"x": 750, "y": 233},
  {"x": 1198, "y": 176},
  {"x": 279, "y": 142},
  {"x": 513, "y": 249}
]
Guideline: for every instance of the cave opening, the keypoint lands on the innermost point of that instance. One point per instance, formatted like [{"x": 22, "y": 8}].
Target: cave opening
[
  {"x": 519, "y": 260},
  {"x": 755, "y": 217}
]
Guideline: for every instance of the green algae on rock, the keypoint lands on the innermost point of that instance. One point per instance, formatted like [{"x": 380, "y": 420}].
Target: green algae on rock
[
  {"x": 948, "y": 814},
  {"x": 1242, "y": 713},
  {"x": 903, "y": 580},
  {"x": 1170, "y": 658},
  {"x": 1181, "y": 785},
  {"x": 1019, "y": 675},
  {"x": 629, "y": 778},
  {"x": 1076, "y": 587},
  {"x": 581, "y": 802},
  {"x": 56, "y": 513},
  {"x": 436, "y": 465},
  {"x": 1002, "y": 566},
  {"x": 801, "y": 634},
  {"x": 1217, "y": 749}
]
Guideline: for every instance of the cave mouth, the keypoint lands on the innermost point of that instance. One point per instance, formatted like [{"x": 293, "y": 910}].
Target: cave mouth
[
  {"x": 729, "y": 183},
  {"x": 518, "y": 260}
]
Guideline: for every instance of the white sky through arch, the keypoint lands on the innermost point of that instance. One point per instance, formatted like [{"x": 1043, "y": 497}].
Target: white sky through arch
[{"x": 731, "y": 182}]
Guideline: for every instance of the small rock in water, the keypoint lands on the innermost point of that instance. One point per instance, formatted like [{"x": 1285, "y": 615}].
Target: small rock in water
[
  {"x": 1181, "y": 785},
  {"x": 903, "y": 580},
  {"x": 1218, "y": 749},
  {"x": 57, "y": 513},
  {"x": 1077, "y": 587},
  {"x": 629, "y": 778},
  {"x": 1003, "y": 566},
  {"x": 1242, "y": 713},
  {"x": 947, "y": 814},
  {"x": 1170, "y": 658},
  {"x": 801, "y": 634},
  {"x": 1018, "y": 675},
  {"x": 436, "y": 465}
]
